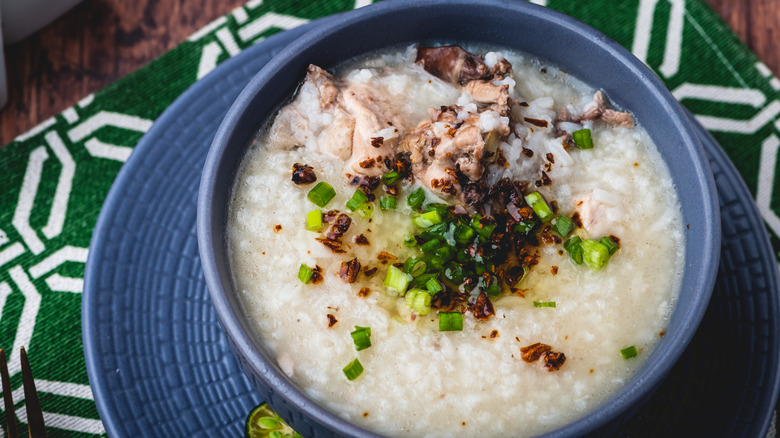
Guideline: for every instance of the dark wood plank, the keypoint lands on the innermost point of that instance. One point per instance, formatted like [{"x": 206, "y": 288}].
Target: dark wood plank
[
  {"x": 757, "y": 23},
  {"x": 91, "y": 46}
]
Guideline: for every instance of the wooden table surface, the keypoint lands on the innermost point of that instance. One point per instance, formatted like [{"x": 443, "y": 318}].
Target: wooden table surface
[{"x": 100, "y": 41}]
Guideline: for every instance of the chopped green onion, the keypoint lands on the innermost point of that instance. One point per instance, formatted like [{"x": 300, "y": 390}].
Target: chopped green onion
[
  {"x": 464, "y": 234},
  {"x": 427, "y": 219},
  {"x": 454, "y": 273},
  {"x": 525, "y": 226},
  {"x": 321, "y": 194},
  {"x": 353, "y": 370},
  {"x": 483, "y": 229},
  {"x": 563, "y": 226},
  {"x": 629, "y": 352},
  {"x": 416, "y": 198},
  {"x": 362, "y": 337},
  {"x": 358, "y": 198},
  {"x": 410, "y": 241},
  {"x": 305, "y": 273},
  {"x": 433, "y": 286},
  {"x": 366, "y": 210},
  {"x": 544, "y": 303},
  {"x": 435, "y": 263},
  {"x": 415, "y": 267},
  {"x": 420, "y": 281},
  {"x": 440, "y": 206},
  {"x": 574, "y": 247},
  {"x": 430, "y": 246},
  {"x": 419, "y": 301},
  {"x": 314, "y": 220},
  {"x": 434, "y": 232},
  {"x": 391, "y": 178},
  {"x": 494, "y": 289},
  {"x": 582, "y": 139},
  {"x": 388, "y": 203},
  {"x": 397, "y": 281},
  {"x": 594, "y": 254},
  {"x": 610, "y": 244},
  {"x": 450, "y": 321},
  {"x": 540, "y": 206},
  {"x": 444, "y": 252}
]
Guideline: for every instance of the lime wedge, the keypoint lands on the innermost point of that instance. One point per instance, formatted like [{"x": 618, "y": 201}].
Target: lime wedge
[{"x": 263, "y": 422}]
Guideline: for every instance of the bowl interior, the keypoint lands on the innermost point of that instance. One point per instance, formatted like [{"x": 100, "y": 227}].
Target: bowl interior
[{"x": 561, "y": 40}]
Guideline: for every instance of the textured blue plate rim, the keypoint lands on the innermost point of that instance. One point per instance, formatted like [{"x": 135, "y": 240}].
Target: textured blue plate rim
[
  {"x": 102, "y": 398},
  {"x": 113, "y": 200},
  {"x": 765, "y": 248}
]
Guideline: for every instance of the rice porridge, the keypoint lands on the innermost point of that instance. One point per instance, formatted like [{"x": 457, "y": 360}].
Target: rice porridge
[{"x": 433, "y": 242}]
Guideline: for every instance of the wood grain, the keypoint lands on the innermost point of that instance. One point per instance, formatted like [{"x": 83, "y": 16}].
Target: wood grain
[
  {"x": 756, "y": 22},
  {"x": 100, "y": 41},
  {"x": 91, "y": 46}
]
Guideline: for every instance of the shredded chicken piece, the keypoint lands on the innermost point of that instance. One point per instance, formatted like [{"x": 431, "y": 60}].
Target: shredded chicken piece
[
  {"x": 596, "y": 109},
  {"x": 592, "y": 208},
  {"x": 372, "y": 113},
  {"x": 444, "y": 147},
  {"x": 488, "y": 92},
  {"x": 357, "y": 124}
]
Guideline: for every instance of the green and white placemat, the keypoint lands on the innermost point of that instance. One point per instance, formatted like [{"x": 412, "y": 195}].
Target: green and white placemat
[{"x": 56, "y": 176}]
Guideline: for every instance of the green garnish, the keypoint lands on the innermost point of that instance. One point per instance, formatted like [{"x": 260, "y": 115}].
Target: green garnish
[
  {"x": 357, "y": 199},
  {"x": 419, "y": 301},
  {"x": 263, "y": 422},
  {"x": 430, "y": 246},
  {"x": 526, "y": 226},
  {"x": 464, "y": 234},
  {"x": 583, "y": 139},
  {"x": 629, "y": 352},
  {"x": 397, "y": 281},
  {"x": 539, "y": 205},
  {"x": 563, "y": 226},
  {"x": 391, "y": 178},
  {"x": 321, "y": 194},
  {"x": 410, "y": 241},
  {"x": 305, "y": 273},
  {"x": 314, "y": 220},
  {"x": 574, "y": 247},
  {"x": 433, "y": 286},
  {"x": 427, "y": 219},
  {"x": 544, "y": 303},
  {"x": 415, "y": 267},
  {"x": 482, "y": 227},
  {"x": 353, "y": 370},
  {"x": 388, "y": 203},
  {"x": 610, "y": 244},
  {"x": 416, "y": 198},
  {"x": 594, "y": 254},
  {"x": 366, "y": 210},
  {"x": 362, "y": 337},
  {"x": 450, "y": 321}
]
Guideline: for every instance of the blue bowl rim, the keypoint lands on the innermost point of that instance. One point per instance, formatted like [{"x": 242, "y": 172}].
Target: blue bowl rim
[{"x": 639, "y": 387}]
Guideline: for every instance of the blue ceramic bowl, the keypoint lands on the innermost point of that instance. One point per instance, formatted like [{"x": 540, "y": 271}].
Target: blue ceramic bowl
[{"x": 561, "y": 40}]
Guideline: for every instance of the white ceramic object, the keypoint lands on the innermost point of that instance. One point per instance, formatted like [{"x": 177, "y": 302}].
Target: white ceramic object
[{"x": 19, "y": 19}]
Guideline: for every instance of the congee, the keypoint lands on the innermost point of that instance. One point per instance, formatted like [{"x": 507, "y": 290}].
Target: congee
[{"x": 434, "y": 241}]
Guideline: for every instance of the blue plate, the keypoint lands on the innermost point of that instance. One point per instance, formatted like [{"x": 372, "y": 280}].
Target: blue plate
[{"x": 159, "y": 364}]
